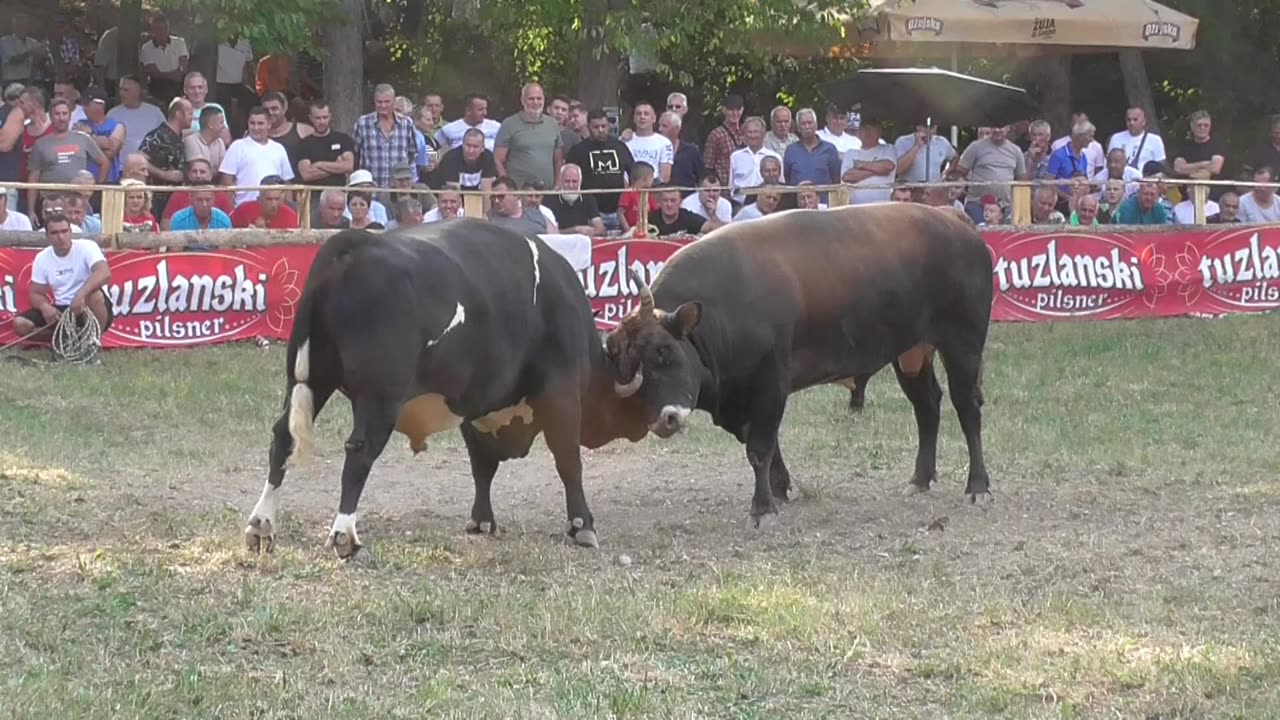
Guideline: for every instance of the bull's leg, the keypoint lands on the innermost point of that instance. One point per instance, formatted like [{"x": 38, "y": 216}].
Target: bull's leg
[
  {"x": 922, "y": 389},
  {"x": 259, "y": 534},
  {"x": 559, "y": 412},
  {"x": 858, "y": 395},
  {"x": 964, "y": 375},
  {"x": 373, "y": 421},
  {"x": 484, "y": 465},
  {"x": 767, "y": 408},
  {"x": 779, "y": 477}
]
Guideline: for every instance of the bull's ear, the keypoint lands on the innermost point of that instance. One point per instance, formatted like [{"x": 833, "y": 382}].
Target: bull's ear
[
  {"x": 612, "y": 344},
  {"x": 683, "y": 321}
]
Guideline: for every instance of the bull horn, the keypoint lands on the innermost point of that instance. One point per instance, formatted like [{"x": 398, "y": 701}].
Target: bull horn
[
  {"x": 631, "y": 388},
  {"x": 646, "y": 295}
]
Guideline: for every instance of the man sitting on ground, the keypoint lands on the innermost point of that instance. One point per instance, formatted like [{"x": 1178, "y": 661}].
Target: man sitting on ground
[{"x": 74, "y": 270}]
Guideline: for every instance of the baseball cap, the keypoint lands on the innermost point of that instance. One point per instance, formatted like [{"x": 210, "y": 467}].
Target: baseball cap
[
  {"x": 401, "y": 170},
  {"x": 733, "y": 101},
  {"x": 989, "y": 199},
  {"x": 360, "y": 177},
  {"x": 95, "y": 94}
]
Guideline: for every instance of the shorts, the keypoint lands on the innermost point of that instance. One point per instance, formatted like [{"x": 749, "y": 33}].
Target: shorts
[{"x": 33, "y": 315}]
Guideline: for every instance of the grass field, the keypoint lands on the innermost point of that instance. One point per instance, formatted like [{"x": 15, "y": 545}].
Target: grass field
[{"x": 1126, "y": 568}]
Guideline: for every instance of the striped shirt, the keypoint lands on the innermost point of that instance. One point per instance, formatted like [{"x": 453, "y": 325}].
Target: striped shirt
[{"x": 380, "y": 152}]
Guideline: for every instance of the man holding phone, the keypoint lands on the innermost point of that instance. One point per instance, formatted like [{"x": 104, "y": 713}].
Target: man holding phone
[{"x": 923, "y": 145}]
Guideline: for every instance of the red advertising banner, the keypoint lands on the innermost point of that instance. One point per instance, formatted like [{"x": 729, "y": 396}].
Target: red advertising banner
[
  {"x": 608, "y": 282},
  {"x": 1042, "y": 275},
  {"x": 183, "y": 299}
]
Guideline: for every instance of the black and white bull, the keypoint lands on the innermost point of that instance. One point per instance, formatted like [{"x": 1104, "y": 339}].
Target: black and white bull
[
  {"x": 453, "y": 325},
  {"x": 753, "y": 312}
]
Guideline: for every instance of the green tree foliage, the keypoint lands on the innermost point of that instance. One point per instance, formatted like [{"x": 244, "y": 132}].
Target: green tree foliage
[
  {"x": 704, "y": 48},
  {"x": 275, "y": 26}
]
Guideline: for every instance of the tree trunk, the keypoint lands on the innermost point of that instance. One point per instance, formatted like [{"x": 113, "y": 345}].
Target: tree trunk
[
  {"x": 129, "y": 36},
  {"x": 599, "y": 65},
  {"x": 1138, "y": 88},
  {"x": 344, "y": 66},
  {"x": 1054, "y": 79}
]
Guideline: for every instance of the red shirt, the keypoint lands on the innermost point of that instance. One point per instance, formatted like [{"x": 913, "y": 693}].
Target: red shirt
[
  {"x": 181, "y": 200},
  {"x": 247, "y": 214},
  {"x": 629, "y": 205}
]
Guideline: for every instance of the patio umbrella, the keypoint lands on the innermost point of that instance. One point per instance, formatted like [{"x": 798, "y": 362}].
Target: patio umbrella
[{"x": 931, "y": 96}]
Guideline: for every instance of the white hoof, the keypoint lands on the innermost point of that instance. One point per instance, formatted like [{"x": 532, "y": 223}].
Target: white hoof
[{"x": 586, "y": 538}]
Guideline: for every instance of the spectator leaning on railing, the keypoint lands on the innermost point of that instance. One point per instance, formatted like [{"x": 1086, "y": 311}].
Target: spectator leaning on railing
[{"x": 707, "y": 202}]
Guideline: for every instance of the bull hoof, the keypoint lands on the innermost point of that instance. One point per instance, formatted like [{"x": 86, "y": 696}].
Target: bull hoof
[
  {"x": 765, "y": 522},
  {"x": 983, "y": 497},
  {"x": 259, "y": 536},
  {"x": 919, "y": 485},
  {"x": 483, "y": 527},
  {"x": 586, "y": 538},
  {"x": 344, "y": 546}
]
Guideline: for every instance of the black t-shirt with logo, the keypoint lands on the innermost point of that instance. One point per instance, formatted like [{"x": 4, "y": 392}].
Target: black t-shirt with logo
[
  {"x": 686, "y": 222},
  {"x": 604, "y": 167},
  {"x": 454, "y": 168},
  {"x": 326, "y": 148}
]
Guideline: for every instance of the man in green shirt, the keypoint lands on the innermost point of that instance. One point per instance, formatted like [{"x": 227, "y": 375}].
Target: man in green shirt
[
  {"x": 528, "y": 146},
  {"x": 1143, "y": 208}
]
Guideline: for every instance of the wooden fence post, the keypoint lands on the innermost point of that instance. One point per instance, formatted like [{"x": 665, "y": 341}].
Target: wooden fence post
[
  {"x": 473, "y": 204},
  {"x": 112, "y": 211},
  {"x": 1021, "y": 204},
  {"x": 1199, "y": 196}
]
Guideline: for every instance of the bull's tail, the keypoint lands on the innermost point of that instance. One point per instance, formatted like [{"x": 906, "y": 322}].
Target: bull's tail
[{"x": 302, "y": 411}]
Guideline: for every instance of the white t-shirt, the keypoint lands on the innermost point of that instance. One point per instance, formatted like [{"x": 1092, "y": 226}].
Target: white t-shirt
[
  {"x": 66, "y": 275},
  {"x": 653, "y": 149},
  {"x": 877, "y": 188},
  {"x": 744, "y": 169},
  {"x": 231, "y": 62},
  {"x": 724, "y": 209},
  {"x": 1185, "y": 211},
  {"x": 1131, "y": 178},
  {"x": 16, "y": 221},
  {"x": 451, "y": 134},
  {"x": 433, "y": 215},
  {"x": 137, "y": 123},
  {"x": 1152, "y": 149},
  {"x": 1251, "y": 213},
  {"x": 164, "y": 58},
  {"x": 844, "y": 142},
  {"x": 748, "y": 212},
  {"x": 249, "y": 162}
]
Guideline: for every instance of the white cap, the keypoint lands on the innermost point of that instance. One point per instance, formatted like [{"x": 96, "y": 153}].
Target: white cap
[{"x": 359, "y": 177}]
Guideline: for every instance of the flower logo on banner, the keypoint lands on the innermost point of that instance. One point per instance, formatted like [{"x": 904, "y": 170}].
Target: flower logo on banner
[
  {"x": 1160, "y": 272},
  {"x": 286, "y": 278},
  {"x": 1188, "y": 274}
]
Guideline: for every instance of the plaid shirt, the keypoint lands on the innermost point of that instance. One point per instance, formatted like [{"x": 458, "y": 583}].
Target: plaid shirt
[
  {"x": 720, "y": 145},
  {"x": 380, "y": 152}
]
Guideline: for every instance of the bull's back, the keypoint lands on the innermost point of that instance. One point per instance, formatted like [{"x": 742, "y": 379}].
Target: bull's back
[{"x": 884, "y": 273}]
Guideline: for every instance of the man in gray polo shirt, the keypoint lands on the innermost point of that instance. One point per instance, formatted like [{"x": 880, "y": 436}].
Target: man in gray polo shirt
[
  {"x": 528, "y": 146},
  {"x": 990, "y": 164}
]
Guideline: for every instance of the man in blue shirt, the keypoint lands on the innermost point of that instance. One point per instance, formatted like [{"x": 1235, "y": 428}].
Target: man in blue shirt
[
  {"x": 812, "y": 158},
  {"x": 1069, "y": 160},
  {"x": 201, "y": 215}
]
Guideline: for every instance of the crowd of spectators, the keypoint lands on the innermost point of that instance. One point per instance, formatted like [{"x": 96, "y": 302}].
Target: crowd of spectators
[{"x": 402, "y": 163}]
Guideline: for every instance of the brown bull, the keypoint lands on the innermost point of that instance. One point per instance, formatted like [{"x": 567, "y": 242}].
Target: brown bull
[{"x": 755, "y": 311}]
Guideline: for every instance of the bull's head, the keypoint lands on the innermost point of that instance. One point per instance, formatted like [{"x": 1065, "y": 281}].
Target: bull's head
[{"x": 654, "y": 359}]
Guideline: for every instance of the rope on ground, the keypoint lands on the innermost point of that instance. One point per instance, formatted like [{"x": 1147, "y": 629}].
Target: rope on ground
[{"x": 75, "y": 343}]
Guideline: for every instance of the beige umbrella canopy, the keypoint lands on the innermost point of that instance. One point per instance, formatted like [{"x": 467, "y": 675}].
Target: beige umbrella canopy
[{"x": 997, "y": 27}]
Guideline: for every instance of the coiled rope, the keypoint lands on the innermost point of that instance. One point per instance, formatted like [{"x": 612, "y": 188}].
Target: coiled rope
[{"x": 73, "y": 342}]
